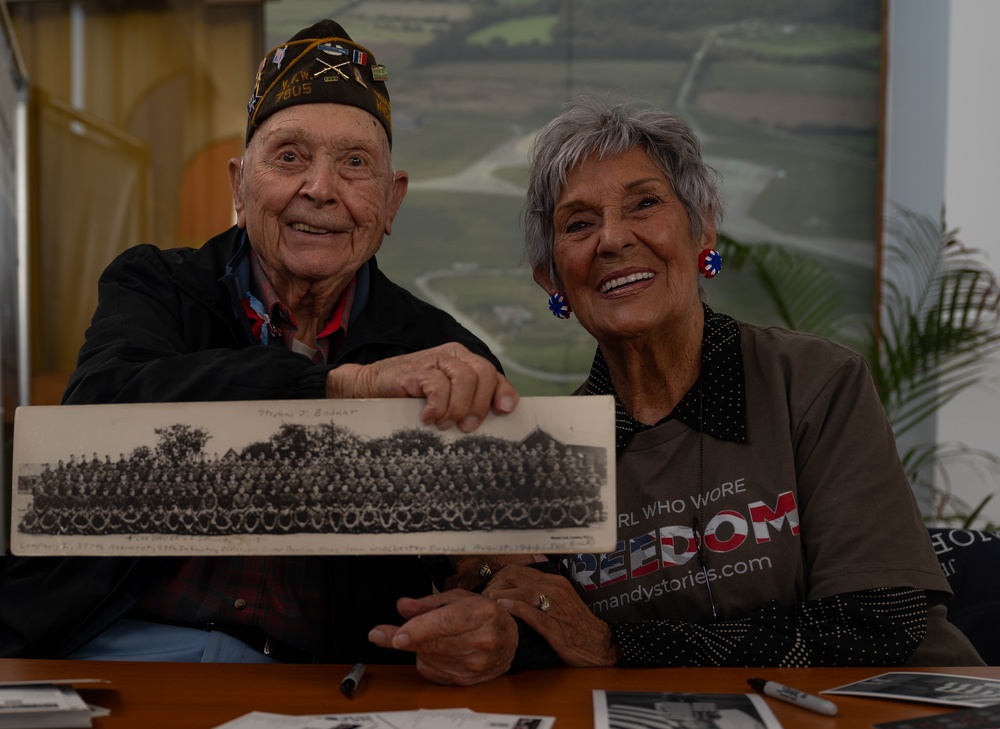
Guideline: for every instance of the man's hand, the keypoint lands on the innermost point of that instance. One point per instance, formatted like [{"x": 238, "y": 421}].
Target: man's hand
[
  {"x": 460, "y": 387},
  {"x": 473, "y": 571},
  {"x": 460, "y": 638}
]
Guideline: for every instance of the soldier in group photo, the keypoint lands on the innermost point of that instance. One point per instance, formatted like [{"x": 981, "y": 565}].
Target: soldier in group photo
[{"x": 295, "y": 483}]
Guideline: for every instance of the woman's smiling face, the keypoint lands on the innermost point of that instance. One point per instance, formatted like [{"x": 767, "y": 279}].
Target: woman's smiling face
[{"x": 623, "y": 250}]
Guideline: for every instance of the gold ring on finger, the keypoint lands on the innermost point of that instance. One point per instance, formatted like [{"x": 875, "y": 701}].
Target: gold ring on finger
[{"x": 485, "y": 572}]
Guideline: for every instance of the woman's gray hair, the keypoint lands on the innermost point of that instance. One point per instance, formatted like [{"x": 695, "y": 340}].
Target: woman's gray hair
[{"x": 588, "y": 126}]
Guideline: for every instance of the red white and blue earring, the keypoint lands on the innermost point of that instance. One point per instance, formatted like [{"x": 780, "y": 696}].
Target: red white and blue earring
[
  {"x": 709, "y": 263},
  {"x": 559, "y": 306}
]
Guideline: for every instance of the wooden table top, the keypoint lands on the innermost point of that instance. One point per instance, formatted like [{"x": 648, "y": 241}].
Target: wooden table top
[{"x": 181, "y": 695}]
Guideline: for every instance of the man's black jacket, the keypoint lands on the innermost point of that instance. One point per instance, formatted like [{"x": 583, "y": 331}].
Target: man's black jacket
[{"x": 167, "y": 329}]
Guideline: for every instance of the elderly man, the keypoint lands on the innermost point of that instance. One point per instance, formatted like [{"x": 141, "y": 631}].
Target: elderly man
[{"x": 289, "y": 303}]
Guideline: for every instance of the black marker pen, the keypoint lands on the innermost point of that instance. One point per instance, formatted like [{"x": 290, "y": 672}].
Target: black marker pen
[
  {"x": 794, "y": 696},
  {"x": 351, "y": 681}
]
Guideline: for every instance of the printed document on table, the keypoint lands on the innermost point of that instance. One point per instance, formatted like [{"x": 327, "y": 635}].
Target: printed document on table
[
  {"x": 420, "y": 719},
  {"x": 949, "y": 689},
  {"x": 978, "y": 718},
  {"x": 36, "y": 706}
]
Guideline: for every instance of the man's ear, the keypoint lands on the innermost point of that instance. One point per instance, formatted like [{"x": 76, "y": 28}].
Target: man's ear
[
  {"x": 400, "y": 183},
  {"x": 236, "y": 188}
]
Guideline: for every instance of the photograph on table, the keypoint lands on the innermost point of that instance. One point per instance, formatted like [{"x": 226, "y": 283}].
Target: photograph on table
[
  {"x": 681, "y": 710},
  {"x": 311, "y": 477},
  {"x": 948, "y": 689}
]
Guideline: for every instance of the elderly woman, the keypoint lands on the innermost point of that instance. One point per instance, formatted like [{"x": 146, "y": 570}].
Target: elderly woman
[{"x": 763, "y": 514}]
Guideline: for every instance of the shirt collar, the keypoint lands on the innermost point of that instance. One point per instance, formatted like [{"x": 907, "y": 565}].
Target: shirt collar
[
  {"x": 722, "y": 381},
  {"x": 281, "y": 323}
]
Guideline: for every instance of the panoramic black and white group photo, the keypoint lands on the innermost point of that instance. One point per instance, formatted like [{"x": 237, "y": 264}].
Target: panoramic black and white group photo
[{"x": 321, "y": 472}]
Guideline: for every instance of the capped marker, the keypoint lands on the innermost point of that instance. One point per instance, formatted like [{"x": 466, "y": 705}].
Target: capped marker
[
  {"x": 352, "y": 680},
  {"x": 794, "y": 696}
]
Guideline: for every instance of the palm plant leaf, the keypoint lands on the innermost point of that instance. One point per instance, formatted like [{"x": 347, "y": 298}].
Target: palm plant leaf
[
  {"x": 804, "y": 295},
  {"x": 930, "y": 459},
  {"x": 940, "y": 323}
]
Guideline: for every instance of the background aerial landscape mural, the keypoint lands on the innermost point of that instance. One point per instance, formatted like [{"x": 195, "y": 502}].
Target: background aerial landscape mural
[{"x": 783, "y": 94}]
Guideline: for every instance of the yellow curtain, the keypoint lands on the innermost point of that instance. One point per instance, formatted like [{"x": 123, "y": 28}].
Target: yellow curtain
[{"x": 136, "y": 107}]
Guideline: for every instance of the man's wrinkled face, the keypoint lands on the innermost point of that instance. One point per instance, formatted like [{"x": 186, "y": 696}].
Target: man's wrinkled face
[{"x": 316, "y": 192}]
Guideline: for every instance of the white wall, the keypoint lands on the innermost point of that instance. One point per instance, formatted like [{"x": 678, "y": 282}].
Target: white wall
[
  {"x": 916, "y": 126},
  {"x": 916, "y": 103},
  {"x": 972, "y": 201},
  {"x": 943, "y": 146}
]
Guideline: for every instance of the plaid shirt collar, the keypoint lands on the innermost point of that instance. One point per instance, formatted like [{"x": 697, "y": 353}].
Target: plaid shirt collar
[
  {"x": 722, "y": 371},
  {"x": 280, "y": 322}
]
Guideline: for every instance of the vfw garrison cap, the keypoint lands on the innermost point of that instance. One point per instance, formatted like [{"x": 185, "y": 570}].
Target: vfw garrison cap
[{"x": 319, "y": 64}]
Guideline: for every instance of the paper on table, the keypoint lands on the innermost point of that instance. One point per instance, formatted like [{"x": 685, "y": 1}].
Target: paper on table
[
  {"x": 948, "y": 689},
  {"x": 37, "y": 706},
  {"x": 55, "y": 682},
  {"x": 448, "y": 719},
  {"x": 265, "y": 720},
  {"x": 419, "y": 719},
  {"x": 983, "y": 717}
]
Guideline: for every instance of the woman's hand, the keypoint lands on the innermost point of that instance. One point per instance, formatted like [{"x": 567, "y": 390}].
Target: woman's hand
[
  {"x": 577, "y": 636},
  {"x": 459, "y": 637}
]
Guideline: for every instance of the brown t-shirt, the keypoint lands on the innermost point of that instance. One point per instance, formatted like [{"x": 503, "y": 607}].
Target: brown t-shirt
[{"x": 813, "y": 503}]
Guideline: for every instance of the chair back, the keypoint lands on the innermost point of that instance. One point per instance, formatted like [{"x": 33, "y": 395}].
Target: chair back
[{"x": 970, "y": 559}]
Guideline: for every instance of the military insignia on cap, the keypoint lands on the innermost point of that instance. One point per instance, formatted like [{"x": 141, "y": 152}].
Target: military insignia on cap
[
  {"x": 332, "y": 49},
  {"x": 357, "y": 77},
  {"x": 379, "y": 72},
  {"x": 255, "y": 94},
  {"x": 360, "y": 58},
  {"x": 327, "y": 68},
  {"x": 279, "y": 56}
]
